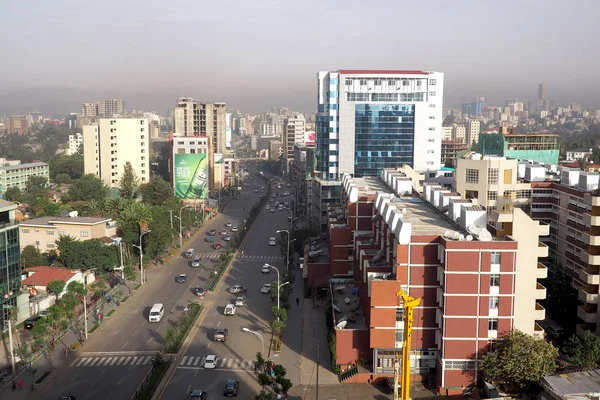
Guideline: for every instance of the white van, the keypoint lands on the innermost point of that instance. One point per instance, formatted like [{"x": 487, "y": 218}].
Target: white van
[{"x": 156, "y": 312}]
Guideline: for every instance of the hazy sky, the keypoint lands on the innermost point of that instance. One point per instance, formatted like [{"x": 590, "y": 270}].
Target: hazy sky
[{"x": 262, "y": 53}]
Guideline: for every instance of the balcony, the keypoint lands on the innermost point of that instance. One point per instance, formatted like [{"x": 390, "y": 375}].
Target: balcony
[
  {"x": 591, "y": 220},
  {"x": 502, "y": 216},
  {"x": 588, "y": 294},
  {"x": 540, "y": 292},
  {"x": 541, "y": 272},
  {"x": 540, "y": 312},
  {"x": 592, "y": 258},
  {"x": 588, "y": 313},
  {"x": 591, "y": 239},
  {"x": 542, "y": 250},
  {"x": 595, "y": 201},
  {"x": 590, "y": 276},
  {"x": 543, "y": 229}
]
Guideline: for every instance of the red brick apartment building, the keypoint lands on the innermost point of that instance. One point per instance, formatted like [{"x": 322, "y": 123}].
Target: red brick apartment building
[{"x": 475, "y": 273}]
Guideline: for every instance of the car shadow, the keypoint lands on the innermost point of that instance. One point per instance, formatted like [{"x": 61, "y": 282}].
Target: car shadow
[{"x": 146, "y": 313}]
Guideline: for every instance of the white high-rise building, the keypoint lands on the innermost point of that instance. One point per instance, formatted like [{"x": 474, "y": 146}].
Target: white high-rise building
[
  {"x": 293, "y": 132},
  {"x": 75, "y": 141},
  {"x": 111, "y": 143},
  {"x": 194, "y": 118},
  {"x": 369, "y": 120}
]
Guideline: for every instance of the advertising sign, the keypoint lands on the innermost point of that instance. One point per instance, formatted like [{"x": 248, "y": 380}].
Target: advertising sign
[
  {"x": 191, "y": 176},
  {"x": 310, "y": 138}
]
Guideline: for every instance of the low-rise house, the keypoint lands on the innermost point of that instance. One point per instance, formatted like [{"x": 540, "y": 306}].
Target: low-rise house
[
  {"x": 43, "y": 232},
  {"x": 572, "y": 386}
]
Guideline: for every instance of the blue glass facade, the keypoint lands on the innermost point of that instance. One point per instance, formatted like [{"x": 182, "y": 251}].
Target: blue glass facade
[
  {"x": 383, "y": 137},
  {"x": 10, "y": 270}
]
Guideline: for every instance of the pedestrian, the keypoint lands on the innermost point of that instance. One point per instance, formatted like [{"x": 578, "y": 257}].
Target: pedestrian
[
  {"x": 14, "y": 386},
  {"x": 297, "y": 301},
  {"x": 20, "y": 384}
]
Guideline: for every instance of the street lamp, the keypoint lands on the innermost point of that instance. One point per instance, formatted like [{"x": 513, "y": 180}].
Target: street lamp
[
  {"x": 288, "y": 245},
  {"x": 180, "y": 227},
  {"x": 142, "y": 255},
  {"x": 278, "y": 285},
  {"x": 262, "y": 340}
]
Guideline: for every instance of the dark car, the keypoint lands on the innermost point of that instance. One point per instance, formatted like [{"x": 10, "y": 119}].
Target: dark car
[
  {"x": 209, "y": 239},
  {"x": 231, "y": 388},
  {"x": 28, "y": 324},
  {"x": 212, "y": 232},
  {"x": 220, "y": 335},
  {"x": 66, "y": 398},
  {"x": 181, "y": 278},
  {"x": 388, "y": 385},
  {"x": 198, "y": 395},
  {"x": 198, "y": 291}
]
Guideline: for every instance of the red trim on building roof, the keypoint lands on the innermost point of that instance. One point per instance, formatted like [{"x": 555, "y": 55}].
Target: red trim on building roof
[{"x": 382, "y": 72}]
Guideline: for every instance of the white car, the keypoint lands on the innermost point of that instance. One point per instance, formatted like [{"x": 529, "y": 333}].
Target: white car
[
  {"x": 227, "y": 238},
  {"x": 265, "y": 269},
  {"x": 211, "y": 362},
  {"x": 267, "y": 208},
  {"x": 240, "y": 301},
  {"x": 272, "y": 241},
  {"x": 234, "y": 229},
  {"x": 266, "y": 289},
  {"x": 229, "y": 224},
  {"x": 229, "y": 309}
]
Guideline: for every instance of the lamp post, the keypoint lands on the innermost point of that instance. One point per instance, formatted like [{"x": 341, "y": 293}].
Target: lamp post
[
  {"x": 287, "y": 262},
  {"x": 278, "y": 285},
  {"x": 142, "y": 255},
  {"x": 180, "y": 227},
  {"x": 262, "y": 340}
]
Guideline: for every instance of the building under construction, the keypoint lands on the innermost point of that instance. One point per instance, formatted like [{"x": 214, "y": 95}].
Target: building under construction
[
  {"x": 539, "y": 147},
  {"x": 451, "y": 150}
]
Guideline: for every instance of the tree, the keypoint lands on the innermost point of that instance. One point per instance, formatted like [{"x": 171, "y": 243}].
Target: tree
[
  {"x": 13, "y": 193},
  {"x": 280, "y": 313},
  {"x": 31, "y": 257},
  {"x": 62, "y": 178},
  {"x": 584, "y": 352},
  {"x": 128, "y": 183},
  {"x": 36, "y": 194},
  {"x": 519, "y": 361},
  {"x": 56, "y": 287},
  {"x": 67, "y": 165},
  {"x": 88, "y": 187},
  {"x": 271, "y": 378},
  {"x": 278, "y": 327},
  {"x": 157, "y": 191}
]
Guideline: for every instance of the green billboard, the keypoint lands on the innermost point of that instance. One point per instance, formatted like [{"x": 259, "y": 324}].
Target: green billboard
[{"x": 191, "y": 176}]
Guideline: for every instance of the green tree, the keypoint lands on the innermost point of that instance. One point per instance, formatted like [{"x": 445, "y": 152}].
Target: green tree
[
  {"x": 280, "y": 313},
  {"x": 67, "y": 165},
  {"x": 13, "y": 193},
  {"x": 584, "y": 352},
  {"x": 519, "y": 361},
  {"x": 595, "y": 158},
  {"x": 31, "y": 257},
  {"x": 56, "y": 287},
  {"x": 88, "y": 187},
  {"x": 62, "y": 178},
  {"x": 128, "y": 183},
  {"x": 271, "y": 377},
  {"x": 37, "y": 194},
  {"x": 278, "y": 327},
  {"x": 157, "y": 191}
]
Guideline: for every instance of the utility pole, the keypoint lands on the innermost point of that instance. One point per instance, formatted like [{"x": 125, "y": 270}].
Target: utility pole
[
  {"x": 122, "y": 267},
  {"x": 85, "y": 322},
  {"x": 10, "y": 344},
  {"x": 317, "y": 386},
  {"x": 171, "y": 214}
]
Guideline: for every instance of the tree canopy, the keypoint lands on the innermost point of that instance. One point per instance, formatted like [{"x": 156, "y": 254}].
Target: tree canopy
[
  {"x": 88, "y": 187},
  {"x": 128, "y": 183},
  {"x": 584, "y": 352},
  {"x": 157, "y": 191},
  {"x": 31, "y": 257},
  {"x": 88, "y": 254},
  {"x": 519, "y": 361}
]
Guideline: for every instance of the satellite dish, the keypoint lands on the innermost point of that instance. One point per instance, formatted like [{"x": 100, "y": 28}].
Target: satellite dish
[{"x": 341, "y": 325}]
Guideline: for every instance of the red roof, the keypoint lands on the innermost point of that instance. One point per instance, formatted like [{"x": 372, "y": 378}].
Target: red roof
[
  {"x": 42, "y": 276},
  {"x": 382, "y": 72}
]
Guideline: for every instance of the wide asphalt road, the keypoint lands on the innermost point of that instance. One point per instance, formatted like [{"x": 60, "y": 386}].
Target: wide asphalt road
[
  {"x": 238, "y": 353},
  {"x": 117, "y": 356}
]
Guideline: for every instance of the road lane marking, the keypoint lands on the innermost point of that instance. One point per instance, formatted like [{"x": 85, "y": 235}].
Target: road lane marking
[
  {"x": 125, "y": 345},
  {"x": 134, "y": 361},
  {"x": 213, "y": 369},
  {"x": 103, "y": 371},
  {"x": 108, "y": 361},
  {"x": 140, "y": 361},
  {"x": 197, "y": 361},
  {"x": 219, "y": 324},
  {"x": 120, "y": 380},
  {"x": 73, "y": 362},
  {"x": 183, "y": 360},
  {"x": 208, "y": 345},
  {"x": 93, "y": 361},
  {"x": 113, "y": 361},
  {"x": 147, "y": 360}
]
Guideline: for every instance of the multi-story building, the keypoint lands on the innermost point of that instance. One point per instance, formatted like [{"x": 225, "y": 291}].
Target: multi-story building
[
  {"x": 459, "y": 133},
  {"x": 89, "y": 110},
  {"x": 369, "y": 120},
  {"x": 475, "y": 273},
  {"x": 43, "y": 232},
  {"x": 275, "y": 150},
  {"x": 71, "y": 121},
  {"x": 538, "y": 147},
  {"x": 453, "y": 149},
  {"x": 112, "y": 143},
  {"x": 294, "y": 128},
  {"x": 194, "y": 118},
  {"x": 18, "y": 175},
  {"x": 10, "y": 265},
  {"x": 75, "y": 143},
  {"x": 19, "y": 124},
  {"x": 191, "y": 166},
  {"x": 446, "y": 134},
  {"x": 111, "y": 108},
  {"x": 473, "y": 130}
]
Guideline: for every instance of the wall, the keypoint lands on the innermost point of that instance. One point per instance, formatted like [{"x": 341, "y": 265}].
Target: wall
[
  {"x": 352, "y": 345},
  {"x": 317, "y": 272},
  {"x": 40, "y": 234}
]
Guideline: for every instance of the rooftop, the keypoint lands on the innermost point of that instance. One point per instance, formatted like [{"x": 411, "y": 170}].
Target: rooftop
[
  {"x": 425, "y": 220},
  {"x": 23, "y": 166},
  {"x": 381, "y": 72},
  {"x": 7, "y": 205},
  {"x": 51, "y": 221},
  {"x": 346, "y": 305},
  {"x": 574, "y": 385},
  {"x": 42, "y": 276},
  {"x": 319, "y": 250}
]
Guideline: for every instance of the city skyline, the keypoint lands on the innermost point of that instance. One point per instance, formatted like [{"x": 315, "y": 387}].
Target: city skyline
[{"x": 67, "y": 53}]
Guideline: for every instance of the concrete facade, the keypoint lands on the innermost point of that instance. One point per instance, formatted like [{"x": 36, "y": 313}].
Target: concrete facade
[{"x": 18, "y": 175}]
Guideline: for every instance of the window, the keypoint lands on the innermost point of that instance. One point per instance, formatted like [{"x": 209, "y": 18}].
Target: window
[
  {"x": 430, "y": 151},
  {"x": 432, "y": 117},
  {"x": 60, "y": 233},
  {"x": 495, "y": 257},
  {"x": 431, "y": 128},
  {"x": 25, "y": 230},
  {"x": 377, "y": 82},
  {"x": 431, "y": 105},
  {"x": 391, "y": 82},
  {"x": 348, "y": 82},
  {"x": 493, "y": 176},
  {"x": 363, "y": 82},
  {"x": 464, "y": 365},
  {"x": 494, "y": 280},
  {"x": 418, "y": 83},
  {"x": 141, "y": 122},
  {"x": 493, "y": 324},
  {"x": 492, "y": 195},
  {"x": 141, "y": 129},
  {"x": 472, "y": 175},
  {"x": 49, "y": 232},
  {"x": 432, "y": 82},
  {"x": 84, "y": 234},
  {"x": 405, "y": 83},
  {"x": 494, "y": 303},
  {"x": 50, "y": 245},
  {"x": 431, "y": 140},
  {"x": 432, "y": 94}
]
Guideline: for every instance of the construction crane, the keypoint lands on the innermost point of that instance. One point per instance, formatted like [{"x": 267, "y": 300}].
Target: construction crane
[{"x": 408, "y": 303}]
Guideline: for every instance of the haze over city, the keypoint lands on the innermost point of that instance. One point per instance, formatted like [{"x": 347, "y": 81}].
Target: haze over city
[{"x": 255, "y": 55}]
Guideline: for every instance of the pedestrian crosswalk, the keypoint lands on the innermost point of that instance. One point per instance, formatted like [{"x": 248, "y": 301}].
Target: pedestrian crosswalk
[
  {"x": 261, "y": 258},
  {"x": 222, "y": 363},
  {"x": 111, "y": 361},
  {"x": 211, "y": 256}
]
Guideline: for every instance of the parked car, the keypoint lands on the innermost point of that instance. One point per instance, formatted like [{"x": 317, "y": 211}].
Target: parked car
[
  {"x": 212, "y": 232},
  {"x": 29, "y": 322},
  {"x": 224, "y": 232},
  {"x": 229, "y": 224},
  {"x": 217, "y": 246},
  {"x": 240, "y": 301},
  {"x": 198, "y": 395},
  {"x": 209, "y": 239},
  {"x": 181, "y": 278},
  {"x": 231, "y": 388},
  {"x": 198, "y": 291},
  {"x": 272, "y": 240},
  {"x": 220, "y": 335},
  {"x": 267, "y": 207},
  {"x": 189, "y": 253},
  {"x": 196, "y": 262},
  {"x": 211, "y": 361},
  {"x": 265, "y": 269},
  {"x": 227, "y": 238},
  {"x": 266, "y": 288},
  {"x": 229, "y": 309},
  {"x": 234, "y": 228},
  {"x": 237, "y": 289}
]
